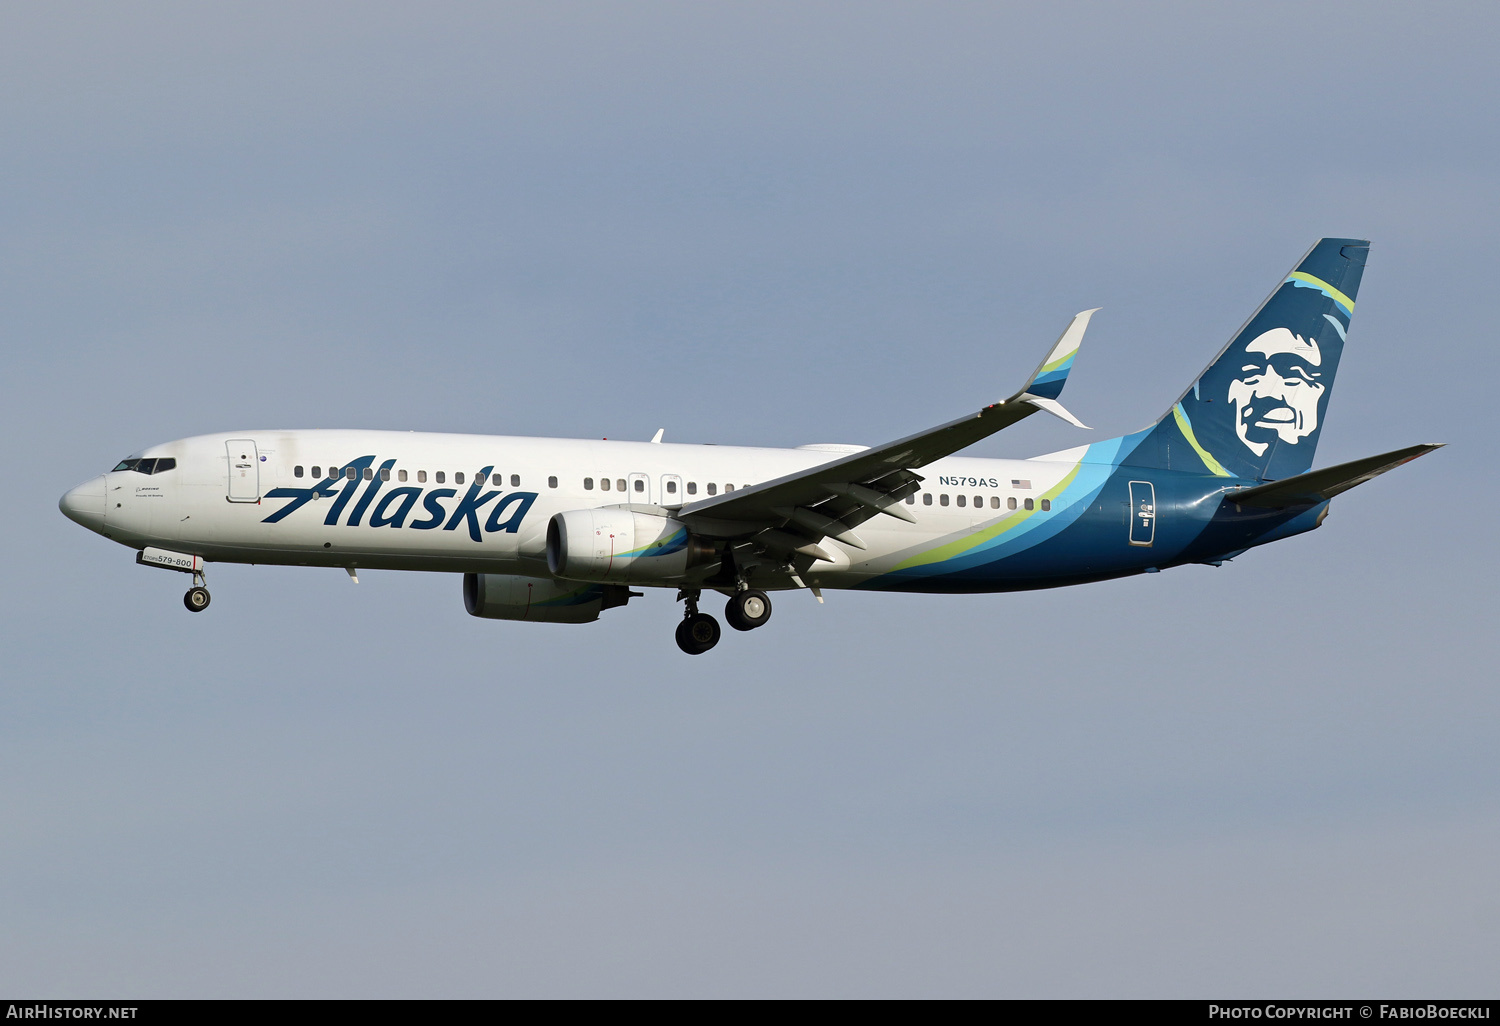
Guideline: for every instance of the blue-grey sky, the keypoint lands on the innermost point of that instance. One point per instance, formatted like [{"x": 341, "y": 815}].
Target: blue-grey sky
[{"x": 760, "y": 224}]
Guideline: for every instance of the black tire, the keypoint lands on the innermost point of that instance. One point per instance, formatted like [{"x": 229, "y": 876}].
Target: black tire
[
  {"x": 698, "y": 634},
  {"x": 748, "y": 610},
  {"x": 196, "y": 600}
]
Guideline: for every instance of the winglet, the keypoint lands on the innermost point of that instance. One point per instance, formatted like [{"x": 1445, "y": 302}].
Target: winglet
[
  {"x": 1051, "y": 374},
  {"x": 1047, "y": 381},
  {"x": 1053, "y": 407}
]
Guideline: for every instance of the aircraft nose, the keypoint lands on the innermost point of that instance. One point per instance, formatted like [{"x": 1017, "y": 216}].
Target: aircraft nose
[{"x": 84, "y": 505}]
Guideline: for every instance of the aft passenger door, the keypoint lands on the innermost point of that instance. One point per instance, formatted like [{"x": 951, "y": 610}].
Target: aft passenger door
[
  {"x": 244, "y": 470},
  {"x": 1142, "y": 513}
]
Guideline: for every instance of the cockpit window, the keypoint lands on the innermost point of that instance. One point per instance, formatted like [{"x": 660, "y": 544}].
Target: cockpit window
[{"x": 155, "y": 465}]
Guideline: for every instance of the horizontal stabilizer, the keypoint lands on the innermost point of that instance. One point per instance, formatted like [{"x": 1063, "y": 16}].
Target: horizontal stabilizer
[{"x": 1320, "y": 485}]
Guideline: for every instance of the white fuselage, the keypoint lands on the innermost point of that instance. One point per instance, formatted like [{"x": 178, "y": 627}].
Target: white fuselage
[{"x": 405, "y": 507}]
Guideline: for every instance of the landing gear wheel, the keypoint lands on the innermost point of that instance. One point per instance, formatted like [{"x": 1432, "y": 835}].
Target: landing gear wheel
[
  {"x": 748, "y": 610},
  {"x": 196, "y": 599},
  {"x": 697, "y": 634}
]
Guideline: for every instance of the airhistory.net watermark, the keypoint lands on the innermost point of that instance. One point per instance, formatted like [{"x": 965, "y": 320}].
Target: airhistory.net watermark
[{"x": 68, "y": 1010}]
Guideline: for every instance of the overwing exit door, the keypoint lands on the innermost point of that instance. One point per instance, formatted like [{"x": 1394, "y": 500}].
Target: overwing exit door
[
  {"x": 640, "y": 488},
  {"x": 244, "y": 470}
]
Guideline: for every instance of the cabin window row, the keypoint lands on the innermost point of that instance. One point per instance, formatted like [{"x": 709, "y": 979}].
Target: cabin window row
[
  {"x": 963, "y": 500},
  {"x": 669, "y": 486},
  {"x": 604, "y": 484},
  {"x": 402, "y": 476}
]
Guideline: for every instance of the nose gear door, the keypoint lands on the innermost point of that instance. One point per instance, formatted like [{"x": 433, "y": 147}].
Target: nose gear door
[{"x": 244, "y": 470}]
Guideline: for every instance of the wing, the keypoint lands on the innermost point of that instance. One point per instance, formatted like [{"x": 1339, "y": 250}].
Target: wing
[{"x": 784, "y": 519}]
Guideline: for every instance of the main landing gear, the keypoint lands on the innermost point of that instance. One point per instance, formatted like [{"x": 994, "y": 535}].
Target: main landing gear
[
  {"x": 197, "y": 597},
  {"x": 699, "y": 632},
  {"x": 748, "y": 610}
]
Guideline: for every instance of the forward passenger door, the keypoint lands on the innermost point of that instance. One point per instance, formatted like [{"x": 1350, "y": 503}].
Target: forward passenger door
[{"x": 244, "y": 470}]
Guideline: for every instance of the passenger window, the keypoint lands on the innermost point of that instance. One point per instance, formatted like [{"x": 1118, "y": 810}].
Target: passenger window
[
  {"x": 551, "y": 482},
  {"x": 401, "y": 476},
  {"x": 317, "y": 471},
  {"x": 927, "y": 498},
  {"x": 588, "y": 484},
  {"x": 438, "y": 477},
  {"x": 1030, "y": 504},
  {"x": 943, "y": 499},
  {"x": 351, "y": 473},
  {"x": 640, "y": 485},
  {"x": 728, "y": 488},
  {"x": 978, "y": 501},
  {"x": 619, "y": 484},
  {"x": 1010, "y": 503},
  {"x": 671, "y": 487},
  {"x": 515, "y": 480},
  {"x": 963, "y": 500},
  {"x": 385, "y": 473},
  {"x": 296, "y": 471},
  {"x": 692, "y": 487},
  {"x": 1046, "y": 505},
  {"x": 994, "y": 502},
  {"x": 713, "y": 489},
  {"x": 458, "y": 478},
  {"x": 369, "y": 474},
  {"x": 911, "y": 500},
  {"x": 421, "y": 477},
  {"x": 498, "y": 480},
  {"x": 604, "y": 484}
]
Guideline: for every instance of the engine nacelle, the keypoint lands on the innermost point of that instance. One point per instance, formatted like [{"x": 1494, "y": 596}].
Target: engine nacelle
[
  {"x": 509, "y": 597},
  {"x": 616, "y": 544}
]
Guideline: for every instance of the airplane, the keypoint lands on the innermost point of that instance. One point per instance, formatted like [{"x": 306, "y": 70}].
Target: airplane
[{"x": 558, "y": 530}]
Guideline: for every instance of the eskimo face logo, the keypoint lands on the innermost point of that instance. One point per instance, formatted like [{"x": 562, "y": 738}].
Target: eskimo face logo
[{"x": 1277, "y": 391}]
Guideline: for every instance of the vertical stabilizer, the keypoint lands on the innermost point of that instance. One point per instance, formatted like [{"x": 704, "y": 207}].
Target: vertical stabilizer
[{"x": 1258, "y": 409}]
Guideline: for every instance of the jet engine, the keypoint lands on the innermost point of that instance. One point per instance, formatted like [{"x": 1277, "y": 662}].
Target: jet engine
[
  {"x": 619, "y": 544},
  {"x": 510, "y": 597}
]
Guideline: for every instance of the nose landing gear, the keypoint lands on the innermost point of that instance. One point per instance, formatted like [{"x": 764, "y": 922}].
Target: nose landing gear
[
  {"x": 197, "y": 597},
  {"x": 698, "y": 632}
]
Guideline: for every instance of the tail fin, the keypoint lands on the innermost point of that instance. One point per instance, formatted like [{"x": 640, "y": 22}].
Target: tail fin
[{"x": 1258, "y": 409}]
